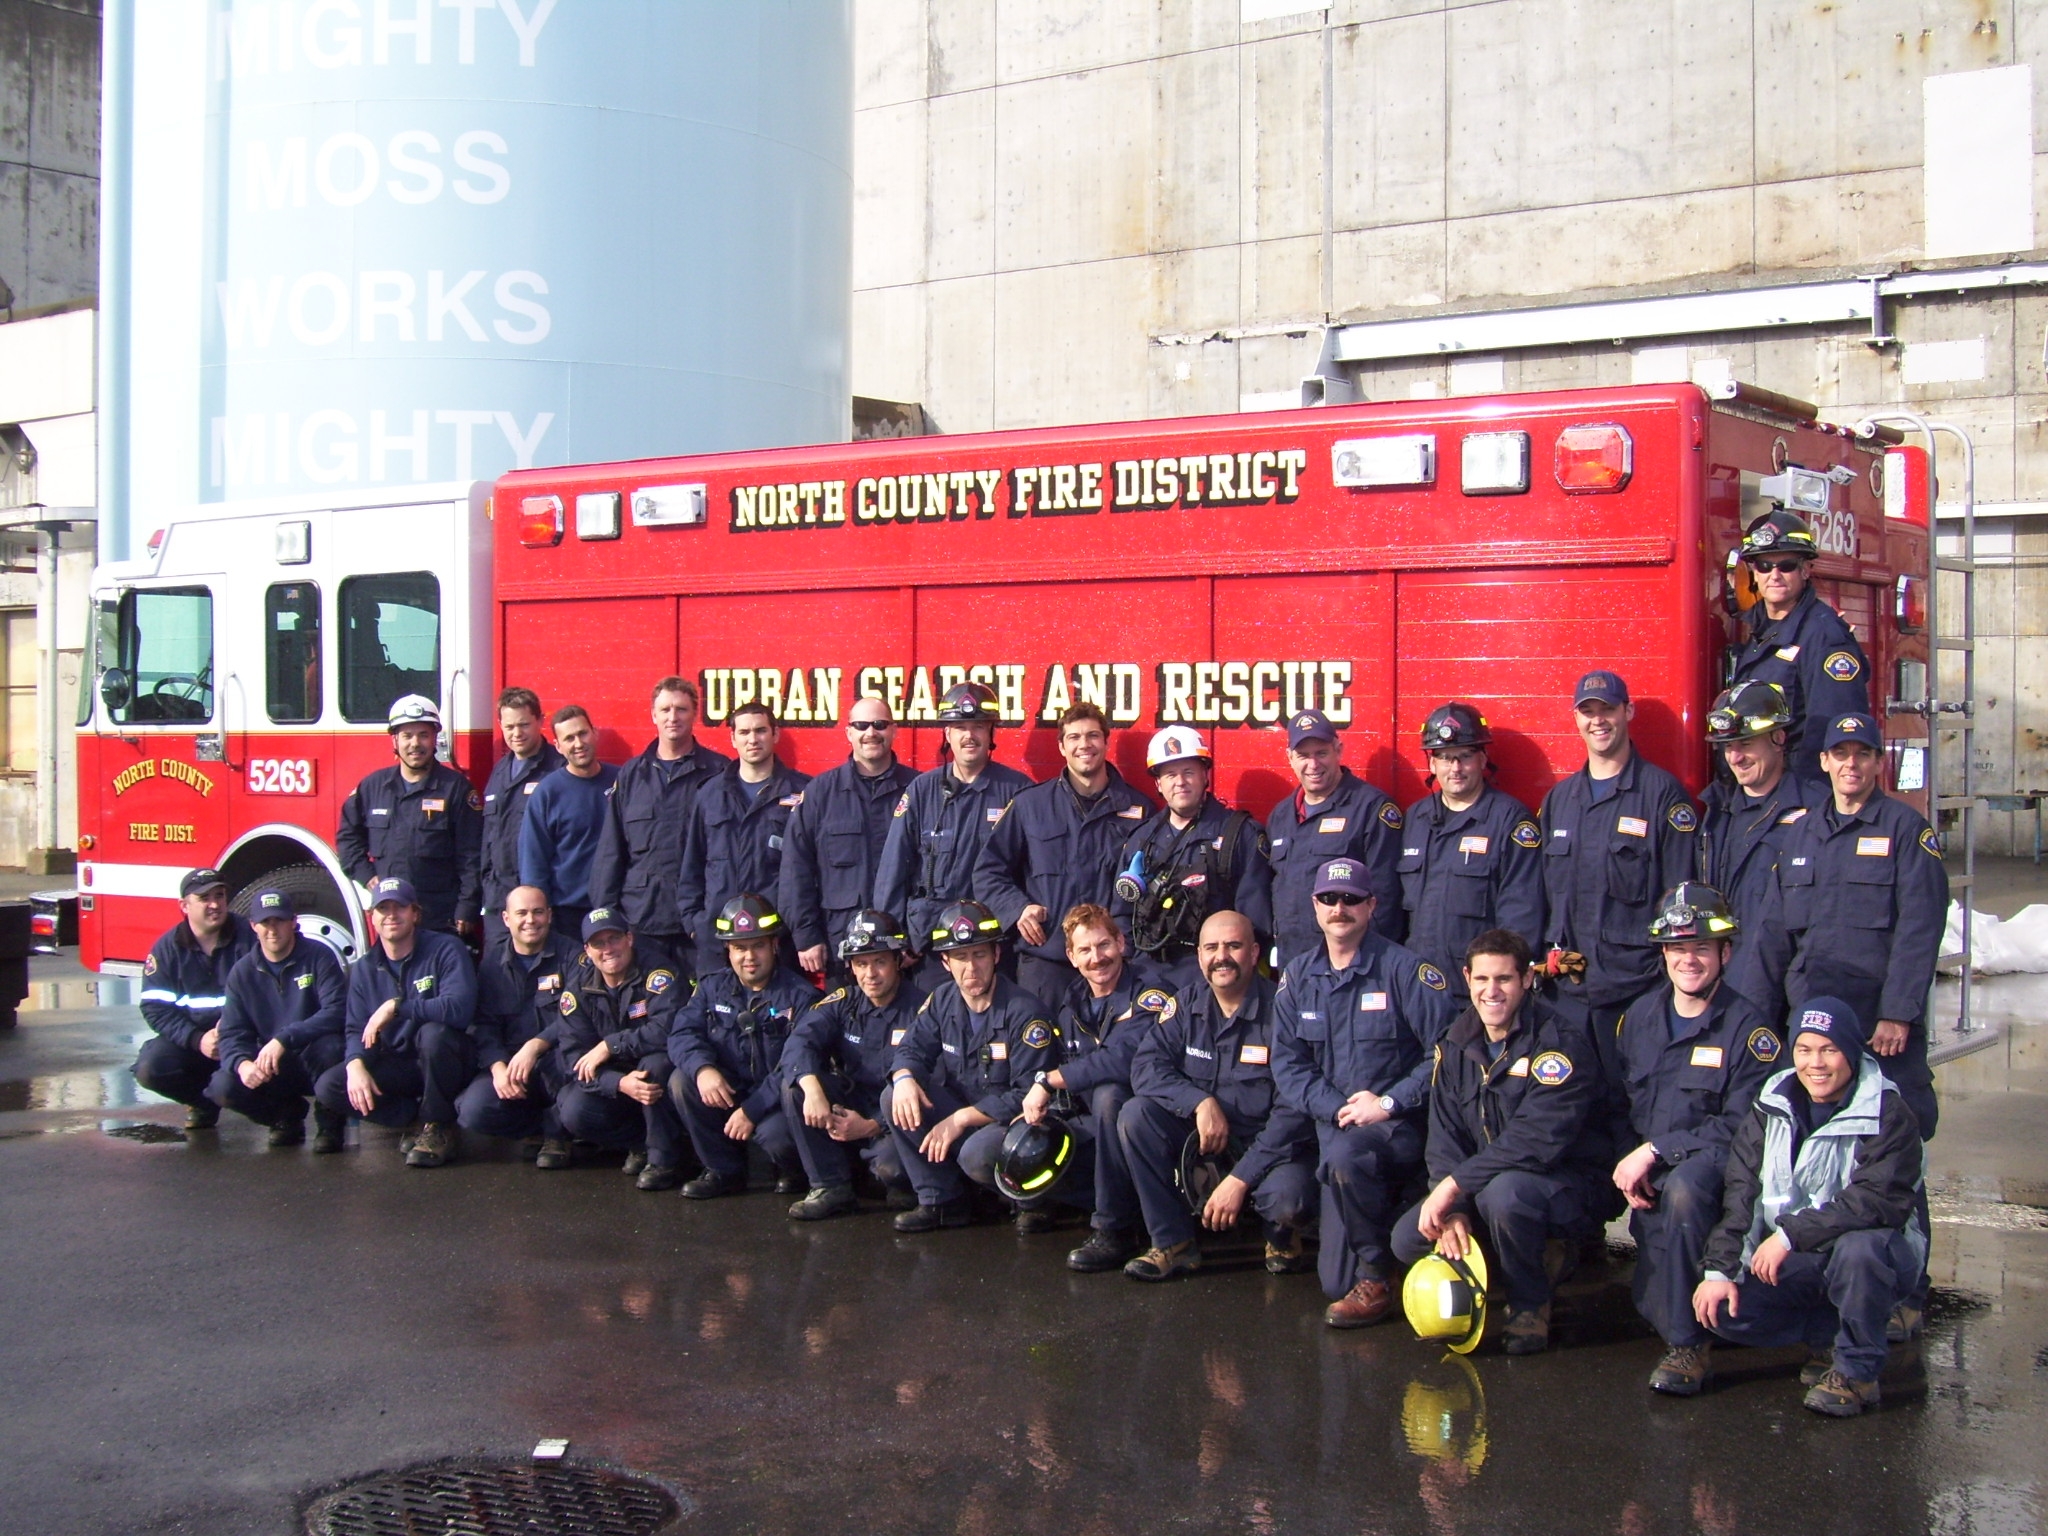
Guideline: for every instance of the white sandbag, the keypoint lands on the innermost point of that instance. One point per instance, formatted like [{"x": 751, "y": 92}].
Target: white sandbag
[{"x": 2000, "y": 947}]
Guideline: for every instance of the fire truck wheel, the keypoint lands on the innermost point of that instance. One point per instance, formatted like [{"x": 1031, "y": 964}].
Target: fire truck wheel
[{"x": 321, "y": 913}]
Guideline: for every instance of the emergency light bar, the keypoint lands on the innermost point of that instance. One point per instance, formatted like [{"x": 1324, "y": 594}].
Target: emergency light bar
[{"x": 1367, "y": 463}]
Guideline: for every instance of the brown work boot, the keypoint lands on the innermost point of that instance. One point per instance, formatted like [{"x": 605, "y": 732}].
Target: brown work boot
[
  {"x": 1165, "y": 1263},
  {"x": 1526, "y": 1333},
  {"x": 1368, "y": 1302},
  {"x": 434, "y": 1145},
  {"x": 1684, "y": 1370},
  {"x": 1818, "y": 1363},
  {"x": 1841, "y": 1397},
  {"x": 1286, "y": 1254}
]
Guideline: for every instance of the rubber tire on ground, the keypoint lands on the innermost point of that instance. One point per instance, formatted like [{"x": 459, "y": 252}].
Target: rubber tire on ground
[{"x": 309, "y": 885}]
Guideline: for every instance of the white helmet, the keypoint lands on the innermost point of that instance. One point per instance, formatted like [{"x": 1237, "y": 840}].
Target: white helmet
[
  {"x": 413, "y": 709},
  {"x": 1175, "y": 744}
]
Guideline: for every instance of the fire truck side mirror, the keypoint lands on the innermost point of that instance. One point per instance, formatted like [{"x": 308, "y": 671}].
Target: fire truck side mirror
[{"x": 116, "y": 688}]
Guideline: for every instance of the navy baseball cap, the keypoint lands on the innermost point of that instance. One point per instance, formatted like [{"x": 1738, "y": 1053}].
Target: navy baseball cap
[
  {"x": 1607, "y": 687},
  {"x": 1831, "y": 1017},
  {"x": 1861, "y": 728},
  {"x": 603, "y": 920},
  {"x": 1310, "y": 725},
  {"x": 393, "y": 889},
  {"x": 197, "y": 880},
  {"x": 272, "y": 903},
  {"x": 1343, "y": 875}
]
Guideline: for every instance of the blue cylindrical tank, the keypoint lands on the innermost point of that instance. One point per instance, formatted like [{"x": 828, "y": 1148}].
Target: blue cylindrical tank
[{"x": 438, "y": 239}]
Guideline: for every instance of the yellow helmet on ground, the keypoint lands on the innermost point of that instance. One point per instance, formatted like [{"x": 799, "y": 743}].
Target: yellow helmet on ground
[{"x": 1445, "y": 1299}]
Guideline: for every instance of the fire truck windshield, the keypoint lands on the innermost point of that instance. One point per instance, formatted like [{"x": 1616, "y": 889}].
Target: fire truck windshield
[{"x": 161, "y": 667}]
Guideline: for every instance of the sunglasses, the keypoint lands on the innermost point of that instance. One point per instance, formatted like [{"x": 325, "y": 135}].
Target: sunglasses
[
  {"x": 877, "y": 726},
  {"x": 1339, "y": 899},
  {"x": 1785, "y": 566}
]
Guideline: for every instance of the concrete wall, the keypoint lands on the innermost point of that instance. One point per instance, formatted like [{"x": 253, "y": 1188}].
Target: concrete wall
[{"x": 49, "y": 149}]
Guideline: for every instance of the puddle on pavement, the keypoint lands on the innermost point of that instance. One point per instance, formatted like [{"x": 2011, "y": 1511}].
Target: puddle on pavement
[
  {"x": 79, "y": 992},
  {"x": 147, "y": 1132},
  {"x": 112, "y": 1088}
]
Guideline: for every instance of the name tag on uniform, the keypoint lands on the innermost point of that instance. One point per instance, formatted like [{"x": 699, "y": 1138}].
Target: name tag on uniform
[
  {"x": 1253, "y": 1055},
  {"x": 949, "y": 1047},
  {"x": 999, "y": 1050},
  {"x": 380, "y": 810},
  {"x": 1371, "y": 1002},
  {"x": 1474, "y": 844},
  {"x": 896, "y": 1036},
  {"x": 431, "y": 806},
  {"x": 1520, "y": 1068},
  {"x": 1874, "y": 847},
  {"x": 1706, "y": 1056},
  {"x": 1196, "y": 1050},
  {"x": 1330, "y": 824},
  {"x": 1632, "y": 826}
]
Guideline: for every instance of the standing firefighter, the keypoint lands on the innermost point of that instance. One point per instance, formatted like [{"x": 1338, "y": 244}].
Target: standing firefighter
[{"x": 418, "y": 821}]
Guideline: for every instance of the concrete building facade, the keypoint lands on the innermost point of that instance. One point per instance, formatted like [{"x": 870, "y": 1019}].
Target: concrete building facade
[{"x": 1080, "y": 210}]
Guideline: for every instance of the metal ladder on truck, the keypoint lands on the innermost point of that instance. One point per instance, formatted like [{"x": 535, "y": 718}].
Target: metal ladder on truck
[{"x": 1950, "y": 1037}]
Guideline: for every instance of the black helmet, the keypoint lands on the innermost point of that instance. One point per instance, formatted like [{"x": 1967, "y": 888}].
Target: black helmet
[
  {"x": 963, "y": 924},
  {"x": 1034, "y": 1158},
  {"x": 1454, "y": 725},
  {"x": 1692, "y": 910},
  {"x": 1779, "y": 532},
  {"x": 873, "y": 933},
  {"x": 1198, "y": 1173},
  {"x": 965, "y": 703},
  {"x": 1746, "y": 710},
  {"x": 748, "y": 916}
]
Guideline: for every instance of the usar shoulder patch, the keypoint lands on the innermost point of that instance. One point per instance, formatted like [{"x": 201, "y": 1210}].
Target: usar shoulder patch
[
  {"x": 1037, "y": 1035},
  {"x": 1390, "y": 813},
  {"x": 833, "y": 996},
  {"x": 568, "y": 1002},
  {"x": 1763, "y": 1045},
  {"x": 1525, "y": 835},
  {"x": 659, "y": 982},
  {"x": 1930, "y": 842},
  {"x": 1430, "y": 976},
  {"x": 1842, "y": 666},
  {"x": 1682, "y": 819},
  {"x": 1551, "y": 1068},
  {"x": 902, "y": 803}
]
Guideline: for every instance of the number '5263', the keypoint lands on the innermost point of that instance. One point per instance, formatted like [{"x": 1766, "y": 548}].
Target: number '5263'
[{"x": 280, "y": 776}]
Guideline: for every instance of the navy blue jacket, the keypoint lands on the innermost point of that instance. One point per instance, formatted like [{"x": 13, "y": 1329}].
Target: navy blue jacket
[
  {"x": 1690, "y": 1095},
  {"x": 1371, "y": 1028},
  {"x": 1529, "y": 1110},
  {"x": 936, "y": 834},
  {"x": 430, "y": 833},
  {"x": 564, "y": 824},
  {"x": 634, "y": 1019},
  {"x": 640, "y": 850},
  {"x": 1049, "y": 849},
  {"x": 846, "y": 1034},
  {"x": 734, "y": 844},
  {"x": 1194, "y": 1053},
  {"x": 1813, "y": 657},
  {"x": 1242, "y": 880},
  {"x": 184, "y": 988},
  {"x": 1098, "y": 1036},
  {"x": 512, "y": 780},
  {"x": 517, "y": 995},
  {"x": 1356, "y": 822},
  {"x": 1464, "y": 872},
  {"x": 741, "y": 1033},
  {"x": 435, "y": 984},
  {"x": 1605, "y": 866},
  {"x": 989, "y": 1059},
  {"x": 831, "y": 848},
  {"x": 1740, "y": 839},
  {"x": 297, "y": 1000}
]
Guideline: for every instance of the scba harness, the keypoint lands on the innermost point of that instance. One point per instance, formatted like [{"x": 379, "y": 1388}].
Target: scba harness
[{"x": 1177, "y": 898}]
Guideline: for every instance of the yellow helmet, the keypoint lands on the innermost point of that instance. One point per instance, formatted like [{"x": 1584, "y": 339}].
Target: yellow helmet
[
  {"x": 1446, "y": 1299},
  {"x": 1443, "y": 1414}
]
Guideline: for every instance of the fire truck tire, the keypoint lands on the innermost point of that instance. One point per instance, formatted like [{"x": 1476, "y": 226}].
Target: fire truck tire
[{"x": 322, "y": 914}]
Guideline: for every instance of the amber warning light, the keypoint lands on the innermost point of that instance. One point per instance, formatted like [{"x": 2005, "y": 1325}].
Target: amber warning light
[
  {"x": 1593, "y": 458},
  {"x": 540, "y": 521}
]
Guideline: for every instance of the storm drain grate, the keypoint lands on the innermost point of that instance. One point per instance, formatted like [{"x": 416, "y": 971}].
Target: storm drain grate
[{"x": 495, "y": 1499}]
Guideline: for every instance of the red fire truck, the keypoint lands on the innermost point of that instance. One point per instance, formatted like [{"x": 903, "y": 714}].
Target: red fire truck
[{"x": 1370, "y": 561}]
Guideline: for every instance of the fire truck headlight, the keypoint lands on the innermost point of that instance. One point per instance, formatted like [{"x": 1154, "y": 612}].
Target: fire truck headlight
[
  {"x": 540, "y": 521},
  {"x": 1495, "y": 462}
]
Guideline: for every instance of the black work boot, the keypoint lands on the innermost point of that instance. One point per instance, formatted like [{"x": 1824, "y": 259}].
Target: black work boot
[
  {"x": 289, "y": 1128},
  {"x": 1107, "y": 1248},
  {"x": 825, "y": 1201},
  {"x": 929, "y": 1218},
  {"x": 328, "y": 1130}
]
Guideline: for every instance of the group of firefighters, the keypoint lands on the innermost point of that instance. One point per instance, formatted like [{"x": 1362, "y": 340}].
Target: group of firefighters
[{"x": 1429, "y": 1039}]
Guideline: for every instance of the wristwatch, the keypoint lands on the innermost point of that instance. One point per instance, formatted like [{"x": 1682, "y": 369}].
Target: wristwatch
[
  {"x": 1038, "y": 1079},
  {"x": 1390, "y": 1104}
]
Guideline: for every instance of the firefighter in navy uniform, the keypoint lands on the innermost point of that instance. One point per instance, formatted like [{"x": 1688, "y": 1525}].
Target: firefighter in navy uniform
[
  {"x": 942, "y": 822},
  {"x": 1615, "y": 834},
  {"x": 834, "y": 838},
  {"x": 1471, "y": 855},
  {"x": 737, "y": 827},
  {"x": 1332, "y": 814},
  {"x": 1195, "y": 857},
  {"x": 1748, "y": 811},
  {"x": 959, "y": 1078},
  {"x": 281, "y": 1027},
  {"x": 1204, "y": 1070},
  {"x": 518, "y": 995},
  {"x": 1515, "y": 1151},
  {"x": 640, "y": 848},
  {"x": 418, "y": 821},
  {"x": 837, "y": 1063},
  {"x": 727, "y": 1044},
  {"x": 1796, "y": 640},
  {"x": 604, "y": 1057},
  {"x": 1356, "y": 1022},
  {"x": 529, "y": 758},
  {"x": 1055, "y": 849},
  {"x": 1693, "y": 1054},
  {"x": 184, "y": 989},
  {"x": 1098, "y": 1028}
]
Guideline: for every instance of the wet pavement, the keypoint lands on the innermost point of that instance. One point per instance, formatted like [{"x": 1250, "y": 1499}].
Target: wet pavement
[{"x": 196, "y": 1335}]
